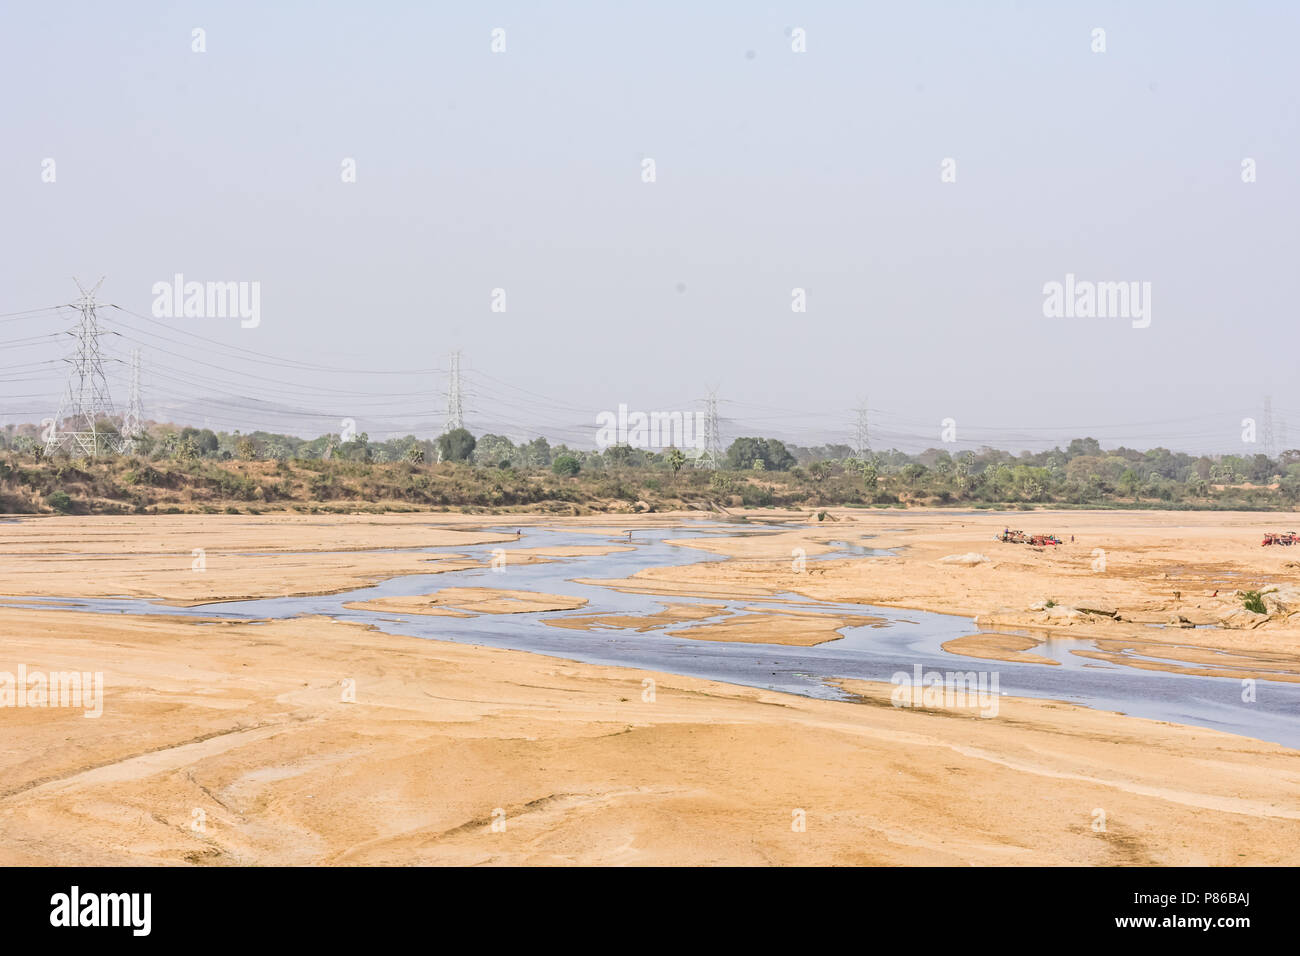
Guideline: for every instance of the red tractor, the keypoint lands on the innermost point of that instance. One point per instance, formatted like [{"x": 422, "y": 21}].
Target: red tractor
[{"x": 1285, "y": 538}]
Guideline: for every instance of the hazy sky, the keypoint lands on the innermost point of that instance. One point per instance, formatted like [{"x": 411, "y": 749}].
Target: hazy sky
[{"x": 522, "y": 170}]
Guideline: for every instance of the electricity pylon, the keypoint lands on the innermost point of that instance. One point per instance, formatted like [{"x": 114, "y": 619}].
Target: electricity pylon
[
  {"x": 1268, "y": 426},
  {"x": 711, "y": 455},
  {"x": 131, "y": 421},
  {"x": 79, "y": 425},
  {"x": 862, "y": 447},
  {"x": 455, "y": 402}
]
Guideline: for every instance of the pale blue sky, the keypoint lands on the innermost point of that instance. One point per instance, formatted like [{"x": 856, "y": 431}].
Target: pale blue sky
[{"x": 775, "y": 170}]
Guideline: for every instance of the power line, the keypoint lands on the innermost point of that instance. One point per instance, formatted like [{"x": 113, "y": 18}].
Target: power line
[
  {"x": 1268, "y": 426},
  {"x": 487, "y": 399},
  {"x": 711, "y": 457},
  {"x": 455, "y": 404},
  {"x": 86, "y": 400},
  {"x": 131, "y": 422},
  {"x": 862, "y": 445},
  {"x": 279, "y": 360}
]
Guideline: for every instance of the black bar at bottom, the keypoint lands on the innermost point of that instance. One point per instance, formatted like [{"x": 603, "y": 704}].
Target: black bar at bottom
[{"x": 336, "y": 905}]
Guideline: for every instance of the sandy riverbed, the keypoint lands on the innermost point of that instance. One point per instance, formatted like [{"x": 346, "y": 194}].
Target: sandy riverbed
[
  {"x": 1158, "y": 572},
  {"x": 244, "y": 726},
  {"x": 463, "y": 602},
  {"x": 233, "y": 744}
]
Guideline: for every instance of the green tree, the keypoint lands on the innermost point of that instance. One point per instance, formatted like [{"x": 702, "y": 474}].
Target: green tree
[
  {"x": 961, "y": 473},
  {"x": 743, "y": 452},
  {"x": 1260, "y": 469},
  {"x": 566, "y": 466},
  {"x": 1030, "y": 483},
  {"x": 912, "y": 473},
  {"x": 356, "y": 448},
  {"x": 1128, "y": 483},
  {"x": 205, "y": 439},
  {"x": 676, "y": 458},
  {"x": 870, "y": 476},
  {"x": 491, "y": 450},
  {"x": 618, "y": 455},
  {"x": 535, "y": 454},
  {"x": 275, "y": 449},
  {"x": 1083, "y": 446},
  {"x": 456, "y": 445}
]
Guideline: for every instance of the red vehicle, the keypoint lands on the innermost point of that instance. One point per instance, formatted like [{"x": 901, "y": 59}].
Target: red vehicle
[
  {"x": 1285, "y": 538},
  {"x": 1019, "y": 537}
]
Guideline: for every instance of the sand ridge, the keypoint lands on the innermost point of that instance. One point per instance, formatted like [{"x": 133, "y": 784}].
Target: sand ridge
[
  {"x": 467, "y": 601},
  {"x": 249, "y": 727},
  {"x": 245, "y": 728},
  {"x": 1149, "y": 568}
]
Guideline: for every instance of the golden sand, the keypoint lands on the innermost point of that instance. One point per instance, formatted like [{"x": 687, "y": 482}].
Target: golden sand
[
  {"x": 246, "y": 729},
  {"x": 227, "y": 744},
  {"x": 472, "y": 601}
]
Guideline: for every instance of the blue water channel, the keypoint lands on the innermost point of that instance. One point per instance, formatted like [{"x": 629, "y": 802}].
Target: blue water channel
[{"x": 895, "y": 641}]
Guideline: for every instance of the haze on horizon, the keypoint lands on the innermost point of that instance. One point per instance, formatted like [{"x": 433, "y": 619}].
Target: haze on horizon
[{"x": 775, "y": 170}]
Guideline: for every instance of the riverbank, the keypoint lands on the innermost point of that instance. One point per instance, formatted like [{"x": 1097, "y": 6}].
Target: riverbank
[
  {"x": 1131, "y": 579},
  {"x": 314, "y": 741},
  {"x": 1167, "y": 580},
  {"x": 235, "y": 743}
]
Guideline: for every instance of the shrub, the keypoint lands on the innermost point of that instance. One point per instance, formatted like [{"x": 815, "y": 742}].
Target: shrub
[
  {"x": 566, "y": 465},
  {"x": 456, "y": 445}
]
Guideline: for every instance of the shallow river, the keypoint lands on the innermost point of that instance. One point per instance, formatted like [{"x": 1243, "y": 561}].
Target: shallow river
[{"x": 901, "y": 642}]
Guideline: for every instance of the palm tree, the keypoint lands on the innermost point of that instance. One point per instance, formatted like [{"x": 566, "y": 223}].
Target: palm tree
[{"x": 675, "y": 460}]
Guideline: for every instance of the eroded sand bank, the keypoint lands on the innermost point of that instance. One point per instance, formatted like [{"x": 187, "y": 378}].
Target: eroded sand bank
[
  {"x": 244, "y": 726},
  {"x": 465, "y": 601},
  {"x": 243, "y": 729},
  {"x": 1146, "y": 577}
]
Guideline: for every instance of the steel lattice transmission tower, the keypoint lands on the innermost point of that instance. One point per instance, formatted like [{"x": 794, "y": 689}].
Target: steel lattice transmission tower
[
  {"x": 862, "y": 445},
  {"x": 131, "y": 421},
  {"x": 77, "y": 428},
  {"x": 455, "y": 402},
  {"x": 711, "y": 455},
  {"x": 1268, "y": 426}
]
